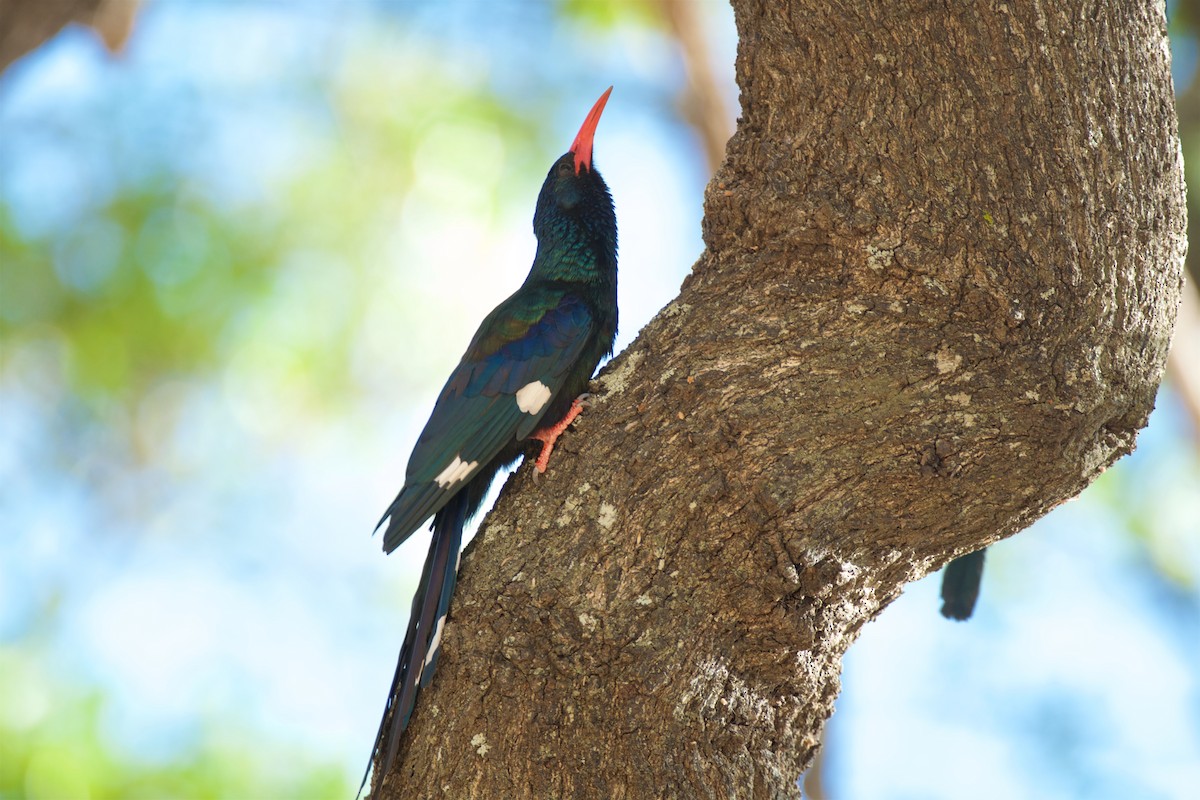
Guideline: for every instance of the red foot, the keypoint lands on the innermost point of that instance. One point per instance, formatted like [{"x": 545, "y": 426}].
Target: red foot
[{"x": 548, "y": 436}]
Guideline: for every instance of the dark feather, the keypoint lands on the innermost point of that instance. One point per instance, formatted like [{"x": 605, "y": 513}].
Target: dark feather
[{"x": 960, "y": 585}]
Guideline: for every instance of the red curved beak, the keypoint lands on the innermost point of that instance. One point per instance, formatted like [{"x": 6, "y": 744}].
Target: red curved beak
[{"x": 582, "y": 146}]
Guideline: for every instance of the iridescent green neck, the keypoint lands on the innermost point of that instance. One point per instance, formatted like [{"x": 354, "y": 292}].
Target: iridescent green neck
[{"x": 571, "y": 258}]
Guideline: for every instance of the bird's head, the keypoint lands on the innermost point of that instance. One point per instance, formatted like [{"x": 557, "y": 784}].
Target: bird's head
[{"x": 573, "y": 187}]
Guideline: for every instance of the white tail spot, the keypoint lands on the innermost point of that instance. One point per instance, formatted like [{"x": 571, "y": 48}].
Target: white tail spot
[{"x": 435, "y": 642}]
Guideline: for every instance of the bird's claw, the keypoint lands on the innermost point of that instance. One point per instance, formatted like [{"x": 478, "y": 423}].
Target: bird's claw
[{"x": 548, "y": 436}]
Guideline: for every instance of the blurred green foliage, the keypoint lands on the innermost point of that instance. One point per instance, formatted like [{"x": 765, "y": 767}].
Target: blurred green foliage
[
  {"x": 604, "y": 14},
  {"x": 54, "y": 747},
  {"x": 161, "y": 280},
  {"x": 140, "y": 289}
]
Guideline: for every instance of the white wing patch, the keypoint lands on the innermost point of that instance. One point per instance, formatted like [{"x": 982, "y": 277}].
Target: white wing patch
[
  {"x": 532, "y": 397},
  {"x": 457, "y": 471}
]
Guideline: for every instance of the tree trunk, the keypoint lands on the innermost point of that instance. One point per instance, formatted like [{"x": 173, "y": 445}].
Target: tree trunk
[{"x": 943, "y": 258}]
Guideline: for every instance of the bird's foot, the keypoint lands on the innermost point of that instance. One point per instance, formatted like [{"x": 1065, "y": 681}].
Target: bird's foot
[{"x": 548, "y": 436}]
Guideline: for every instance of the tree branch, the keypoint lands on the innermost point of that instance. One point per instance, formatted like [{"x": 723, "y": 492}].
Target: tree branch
[
  {"x": 700, "y": 100},
  {"x": 26, "y": 24}
]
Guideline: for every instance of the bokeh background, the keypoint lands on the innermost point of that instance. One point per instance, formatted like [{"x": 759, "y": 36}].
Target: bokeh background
[{"x": 242, "y": 244}]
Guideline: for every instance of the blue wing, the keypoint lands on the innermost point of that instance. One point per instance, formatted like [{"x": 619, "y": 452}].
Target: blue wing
[{"x": 515, "y": 366}]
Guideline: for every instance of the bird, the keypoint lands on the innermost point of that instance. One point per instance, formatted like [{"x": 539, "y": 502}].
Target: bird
[
  {"x": 523, "y": 378},
  {"x": 960, "y": 585}
]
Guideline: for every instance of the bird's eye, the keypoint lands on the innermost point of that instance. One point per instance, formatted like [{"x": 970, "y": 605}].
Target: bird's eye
[{"x": 564, "y": 169}]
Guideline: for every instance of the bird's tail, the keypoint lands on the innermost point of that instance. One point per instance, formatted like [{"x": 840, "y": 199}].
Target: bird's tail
[
  {"x": 960, "y": 585},
  {"x": 419, "y": 654}
]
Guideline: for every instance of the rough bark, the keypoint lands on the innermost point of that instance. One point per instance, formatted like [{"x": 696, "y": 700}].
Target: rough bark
[{"x": 943, "y": 258}]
